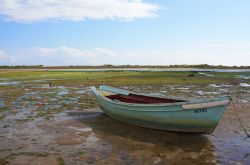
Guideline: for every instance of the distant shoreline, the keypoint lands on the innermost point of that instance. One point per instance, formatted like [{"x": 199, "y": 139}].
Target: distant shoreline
[
  {"x": 129, "y": 67},
  {"x": 127, "y": 70}
]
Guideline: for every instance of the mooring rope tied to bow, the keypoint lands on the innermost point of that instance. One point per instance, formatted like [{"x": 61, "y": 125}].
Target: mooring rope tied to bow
[{"x": 238, "y": 118}]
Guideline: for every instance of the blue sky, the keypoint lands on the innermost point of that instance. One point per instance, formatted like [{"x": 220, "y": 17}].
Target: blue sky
[{"x": 143, "y": 32}]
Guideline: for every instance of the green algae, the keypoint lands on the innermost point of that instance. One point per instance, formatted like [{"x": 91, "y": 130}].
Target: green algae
[
  {"x": 2, "y": 116},
  {"x": 60, "y": 161}
]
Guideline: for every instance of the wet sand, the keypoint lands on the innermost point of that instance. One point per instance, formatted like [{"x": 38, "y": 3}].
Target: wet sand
[{"x": 63, "y": 125}]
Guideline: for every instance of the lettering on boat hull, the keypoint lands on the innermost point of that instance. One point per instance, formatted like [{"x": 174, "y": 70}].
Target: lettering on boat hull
[{"x": 200, "y": 110}]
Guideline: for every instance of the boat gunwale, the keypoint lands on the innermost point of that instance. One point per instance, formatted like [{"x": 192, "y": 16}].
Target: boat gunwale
[{"x": 198, "y": 101}]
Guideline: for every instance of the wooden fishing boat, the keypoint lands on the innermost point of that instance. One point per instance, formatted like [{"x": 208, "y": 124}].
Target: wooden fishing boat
[{"x": 199, "y": 116}]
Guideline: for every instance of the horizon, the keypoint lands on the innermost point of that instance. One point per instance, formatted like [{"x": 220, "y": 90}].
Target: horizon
[
  {"x": 124, "y": 32},
  {"x": 126, "y": 66}
]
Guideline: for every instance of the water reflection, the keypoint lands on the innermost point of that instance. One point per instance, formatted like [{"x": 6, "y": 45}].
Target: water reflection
[{"x": 140, "y": 145}]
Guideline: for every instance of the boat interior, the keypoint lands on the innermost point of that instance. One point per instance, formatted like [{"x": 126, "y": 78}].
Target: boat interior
[{"x": 140, "y": 99}]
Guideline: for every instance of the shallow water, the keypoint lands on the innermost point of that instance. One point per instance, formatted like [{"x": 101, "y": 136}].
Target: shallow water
[
  {"x": 8, "y": 83},
  {"x": 242, "y": 77},
  {"x": 42, "y": 125},
  {"x": 244, "y": 85}
]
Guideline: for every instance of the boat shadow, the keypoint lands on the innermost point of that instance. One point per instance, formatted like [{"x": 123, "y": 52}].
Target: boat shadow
[{"x": 131, "y": 137}]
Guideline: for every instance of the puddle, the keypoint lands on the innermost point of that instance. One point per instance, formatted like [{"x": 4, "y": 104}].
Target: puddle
[
  {"x": 214, "y": 85},
  {"x": 82, "y": 91},
  {"x": 207, "y": 93},
  {"x": 244, "y": 85},
  {"x": 92, "y": 138},
  {"x": 61, "y": 93},
  {"x": 43, "y": 80},
  {"x": 243, "y": 101},
  {"x": 242, "y": 77},
  {"x": 206, "y": 74},
  {"x": 9, "y": 83},
  {"x": 163, "y": 91},
  {"x": 224, "y": 90}
]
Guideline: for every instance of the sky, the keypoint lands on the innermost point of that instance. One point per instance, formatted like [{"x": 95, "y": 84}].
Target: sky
[{"x": 124, "y": 32}]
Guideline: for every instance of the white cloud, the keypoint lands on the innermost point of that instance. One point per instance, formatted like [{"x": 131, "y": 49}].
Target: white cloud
[
  {"x": 43, "y": 51},
  {"x": 212, "y": 54},
  {"x": 3, "y": 57},
  {"x": 76, "y": 10}
]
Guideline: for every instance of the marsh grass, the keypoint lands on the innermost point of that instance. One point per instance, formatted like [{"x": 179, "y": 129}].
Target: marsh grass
[
  {"x": 115, "y": 77},
  {"x": 89, "y": 78}
]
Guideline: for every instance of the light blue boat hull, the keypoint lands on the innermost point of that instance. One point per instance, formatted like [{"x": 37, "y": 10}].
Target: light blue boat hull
[{"x": 169, "y": 117}]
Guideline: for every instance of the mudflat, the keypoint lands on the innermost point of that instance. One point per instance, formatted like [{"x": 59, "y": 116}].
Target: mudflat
[{"x": 50, "y": 117}]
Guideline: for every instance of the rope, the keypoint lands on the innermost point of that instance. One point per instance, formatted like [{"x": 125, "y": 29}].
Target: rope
[{"x": 239, "y": 119}]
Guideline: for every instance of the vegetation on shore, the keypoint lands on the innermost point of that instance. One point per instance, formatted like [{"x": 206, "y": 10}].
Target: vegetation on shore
[
  {"x": 118, "y": 77},
  {"x": 201, "y": 66}
]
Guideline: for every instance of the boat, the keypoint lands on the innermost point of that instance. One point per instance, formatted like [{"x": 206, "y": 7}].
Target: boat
[{"x": 169, "y": 114}]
